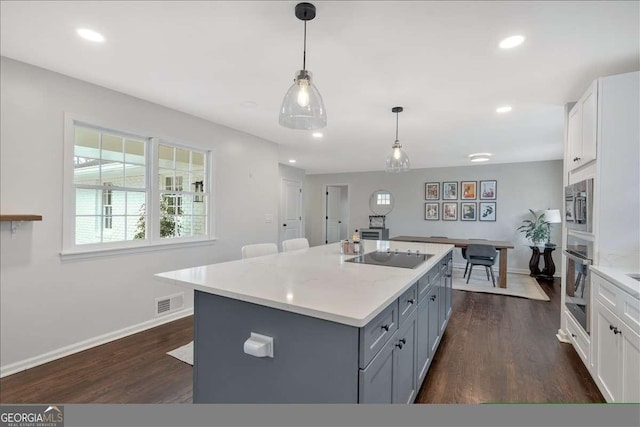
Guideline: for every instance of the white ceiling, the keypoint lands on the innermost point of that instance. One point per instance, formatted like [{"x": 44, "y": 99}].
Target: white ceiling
[{"x": 439, "y": 60}]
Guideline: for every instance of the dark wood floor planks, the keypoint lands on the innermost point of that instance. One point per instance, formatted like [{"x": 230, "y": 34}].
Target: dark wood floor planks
[
  {"x": 496, "y": 349},
  {"x": 504, "y": 349}
]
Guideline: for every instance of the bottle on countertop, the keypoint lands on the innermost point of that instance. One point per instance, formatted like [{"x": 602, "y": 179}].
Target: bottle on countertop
[{"x": 356, "y": 242}]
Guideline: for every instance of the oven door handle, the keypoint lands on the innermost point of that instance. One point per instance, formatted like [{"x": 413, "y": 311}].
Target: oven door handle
[{"x": 576, "y": 258}]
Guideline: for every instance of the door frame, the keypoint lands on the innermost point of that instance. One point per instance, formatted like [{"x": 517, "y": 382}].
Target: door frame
[
  {"x": 281, "y": 212},
  {"x": 325, "y": 189}
]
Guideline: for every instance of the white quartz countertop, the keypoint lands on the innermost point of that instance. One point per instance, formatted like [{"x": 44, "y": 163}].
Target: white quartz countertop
[
  {"x": 316, "y": 282},
  {"x": 618, "y": 276}
]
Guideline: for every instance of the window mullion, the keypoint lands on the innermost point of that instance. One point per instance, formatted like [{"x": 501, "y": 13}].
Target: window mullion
[{"x": 153, "y": 195}]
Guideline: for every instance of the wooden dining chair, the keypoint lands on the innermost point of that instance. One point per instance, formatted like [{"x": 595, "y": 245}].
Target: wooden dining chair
[{"x": 484, "y": 255}]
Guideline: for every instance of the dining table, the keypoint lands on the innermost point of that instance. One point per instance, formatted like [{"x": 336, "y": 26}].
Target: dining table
[{"x": 500, "y": 245}]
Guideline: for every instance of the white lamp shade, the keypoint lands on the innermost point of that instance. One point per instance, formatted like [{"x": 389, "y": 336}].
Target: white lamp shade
[
  {"x": 302, "y": 107},
  {"x": 552, "y": 216},
  {"x": 398, "y": 161}
]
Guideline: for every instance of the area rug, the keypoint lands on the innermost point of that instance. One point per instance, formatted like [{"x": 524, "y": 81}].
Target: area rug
[
  {"x": 184, "y": 353},
  {"x": 518, "y": 285}
]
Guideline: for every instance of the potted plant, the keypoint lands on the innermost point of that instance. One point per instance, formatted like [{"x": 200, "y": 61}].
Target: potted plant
[{"x": 536, "y": 229}]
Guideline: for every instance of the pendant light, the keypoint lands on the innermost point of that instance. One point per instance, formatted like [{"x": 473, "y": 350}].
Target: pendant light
[
  {"x": 398, "y": 161},
  {"x": 302, "y": 107}
]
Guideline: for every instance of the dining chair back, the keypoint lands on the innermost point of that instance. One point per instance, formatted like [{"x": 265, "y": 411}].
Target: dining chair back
[
  {"x": 464, "y": 255},
  {"x": 259, "y": 249},
  {"x": 295, "y": 244},
  {"x": 484, "y": 255}
]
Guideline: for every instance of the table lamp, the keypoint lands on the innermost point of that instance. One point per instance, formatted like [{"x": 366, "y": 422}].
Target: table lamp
[{"x": 551, "y": 216}]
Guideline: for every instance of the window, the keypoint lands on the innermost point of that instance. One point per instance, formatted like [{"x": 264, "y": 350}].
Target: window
[
  {"x": 384, "y": 199},
  {"x": 114, "y": 200}
]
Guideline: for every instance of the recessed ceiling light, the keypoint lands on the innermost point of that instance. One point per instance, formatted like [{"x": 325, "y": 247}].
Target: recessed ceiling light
[
  {"x": 511, "y": 42},
  {"x": 292, "y": 160},
  {"x": 317, "y": 134},
  {"x": 480, "y": 157},
  {"x": 504, "y": 109},
  {"x": 90, "y": 35}
]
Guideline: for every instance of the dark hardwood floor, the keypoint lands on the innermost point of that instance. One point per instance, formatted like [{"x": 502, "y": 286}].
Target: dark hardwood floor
[
  {"x": 496, "y": 349},
  {"x": 504, "y": 349}
]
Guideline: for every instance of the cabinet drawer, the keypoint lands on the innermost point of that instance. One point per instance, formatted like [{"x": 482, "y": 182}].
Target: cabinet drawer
[
  {"x": 621, "y": 303},
  {"x": 423, "y": 283},
  {"x": 606, "y": 292},
  {"x": 407, "y": 303},
  {"x": 580, "y": 341},
  {"x": 377, "y": 332},
  {"x": 630, "y": 311}
]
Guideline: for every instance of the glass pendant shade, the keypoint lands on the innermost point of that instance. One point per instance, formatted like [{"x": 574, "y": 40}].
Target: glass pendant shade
[
  {"x": 398, "y": 161},
  {"x": 302, "y": 107}
]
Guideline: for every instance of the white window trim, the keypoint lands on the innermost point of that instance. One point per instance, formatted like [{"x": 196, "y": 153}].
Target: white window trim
[{"x": 70, "y": 250}]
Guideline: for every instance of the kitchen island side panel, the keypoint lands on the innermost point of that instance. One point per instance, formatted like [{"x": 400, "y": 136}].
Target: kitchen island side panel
[{"x": 315, "y": 361}]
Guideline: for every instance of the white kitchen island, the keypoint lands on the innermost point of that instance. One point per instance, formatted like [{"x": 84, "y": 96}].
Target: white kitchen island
[{"x": 342, "y": 331}]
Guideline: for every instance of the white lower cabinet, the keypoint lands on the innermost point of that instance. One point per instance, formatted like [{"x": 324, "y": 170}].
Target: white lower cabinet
[{"x": 616, "y": 349}]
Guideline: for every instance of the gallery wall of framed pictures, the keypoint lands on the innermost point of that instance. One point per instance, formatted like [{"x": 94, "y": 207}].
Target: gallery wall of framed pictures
[{"x": 442, "y": 200}]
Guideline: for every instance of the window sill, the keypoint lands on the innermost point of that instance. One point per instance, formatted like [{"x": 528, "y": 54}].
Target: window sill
[{"x": 72, "y": 255}]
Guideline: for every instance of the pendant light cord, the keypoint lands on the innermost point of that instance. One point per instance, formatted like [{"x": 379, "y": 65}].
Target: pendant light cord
[
  {"x": 397, "y": 127},
  {"x": 304, "y": 51}
]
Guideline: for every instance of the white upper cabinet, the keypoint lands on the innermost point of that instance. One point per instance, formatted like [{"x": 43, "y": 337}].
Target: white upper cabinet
[{"x": 583, "y": 128}]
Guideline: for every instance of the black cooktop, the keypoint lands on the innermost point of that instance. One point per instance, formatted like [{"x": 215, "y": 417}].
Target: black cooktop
[{"x": 392, "y": 259}]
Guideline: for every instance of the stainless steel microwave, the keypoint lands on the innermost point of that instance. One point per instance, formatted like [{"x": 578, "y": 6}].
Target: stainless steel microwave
[{"x": 579, "y": 206}]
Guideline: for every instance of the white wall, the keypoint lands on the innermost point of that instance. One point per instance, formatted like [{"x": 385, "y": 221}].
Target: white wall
[
  {"x": 47, "y": 304},
  {"x": 535, "y": 185}
]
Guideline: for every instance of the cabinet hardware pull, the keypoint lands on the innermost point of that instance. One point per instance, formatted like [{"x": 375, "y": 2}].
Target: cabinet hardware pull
[
  {"x": 611, "y": 327},
  {"x": 284, "y": 225},
  {"x": 403, "y": 340},
  {"x": 401, "y": 343},
  {"x": 385, "y": 327},
  {"x": 617, "y": 331},
  {"x": 574, "y": 335},
  {"x": 411, "y": 301},
  {"x": 433, "y": 297}
]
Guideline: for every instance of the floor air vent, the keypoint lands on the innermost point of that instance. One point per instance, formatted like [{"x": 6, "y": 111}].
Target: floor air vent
[{"x": 169, "y": 303}]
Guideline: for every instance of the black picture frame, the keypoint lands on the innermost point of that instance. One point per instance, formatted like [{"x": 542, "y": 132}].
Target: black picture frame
[
  {"x": 428, "y": 195},
  {"x": 468, "y": 190},
  {"x": 487, "y": 211},
  {"x": 488, "y": 189},
  {"x": 450, "y": 191},
  {"x": 453, "y": 208},
  {"x": 468, "y": 211},
  {"x": 432, "y": 214}
]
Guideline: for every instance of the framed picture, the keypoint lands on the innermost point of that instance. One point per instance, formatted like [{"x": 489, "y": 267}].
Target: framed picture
[
  {"x": 468, "y": 211},
  {"x": 432, "y": 211},
  {"x": 432, "y": 191},
  {"x": 450, "y": 191},
  {"x": 488, "y": 190},
  {"x": 468, "y": 190},
  {"x": 487, "y": 211},
  {"x": 450, "y": 211}
]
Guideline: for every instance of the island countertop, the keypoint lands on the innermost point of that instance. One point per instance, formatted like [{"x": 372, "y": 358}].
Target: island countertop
[{"x": 315, "y": 282}]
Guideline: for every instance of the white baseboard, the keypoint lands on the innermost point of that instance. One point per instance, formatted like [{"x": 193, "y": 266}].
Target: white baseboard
[{"x": 91, "y": 342}]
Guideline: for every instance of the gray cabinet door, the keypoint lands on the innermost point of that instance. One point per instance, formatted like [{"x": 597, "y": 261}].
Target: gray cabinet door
[
  {"x": 433, "y": 300},
  {"x": 376, "y": 380},
  {"x": 422, "y": 340},
  {"x": 442, "y": 306},
  {"x": 404, "y": 362},
  {"x": 448, "y": 285}
]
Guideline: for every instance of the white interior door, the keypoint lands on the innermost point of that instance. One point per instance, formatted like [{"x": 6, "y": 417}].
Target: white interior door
[
  {"x": 290, "y": 210},
  {"x": 333, "y": 214}
]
